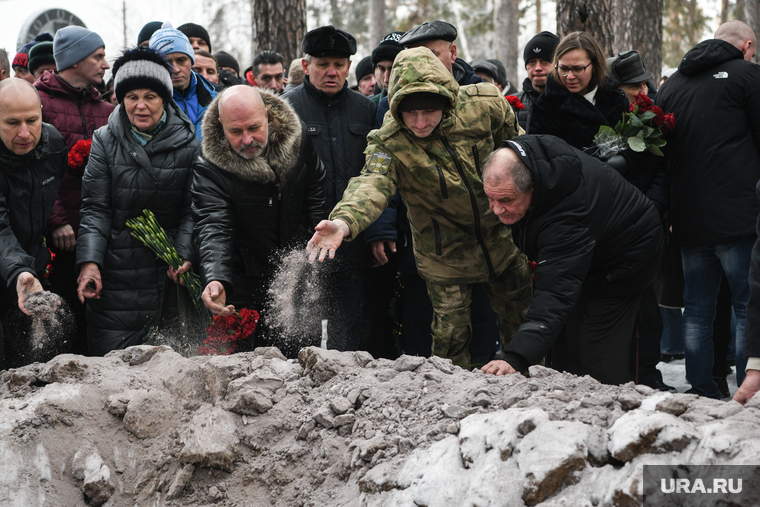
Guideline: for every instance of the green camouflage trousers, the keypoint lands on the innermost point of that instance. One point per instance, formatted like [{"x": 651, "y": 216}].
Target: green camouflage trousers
[{"x": 510, "y": 295}]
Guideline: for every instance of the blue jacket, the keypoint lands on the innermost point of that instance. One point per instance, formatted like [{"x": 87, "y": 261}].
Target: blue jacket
[{"x": 195, "y": 100}]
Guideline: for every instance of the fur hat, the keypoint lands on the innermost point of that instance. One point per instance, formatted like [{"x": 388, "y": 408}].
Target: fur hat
[
  {"x": 142, "y": 68},
  {"x": 329, "y": 41},
  {"x": 40, "y": 54},
  {"x": 72, "y": 44},
  {"x": 170, "y": 40}
]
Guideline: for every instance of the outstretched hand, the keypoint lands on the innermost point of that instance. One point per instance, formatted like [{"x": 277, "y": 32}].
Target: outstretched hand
[
  {"x": 327, "y": 239},
  {"x": 498, "y": 367},
  {"x": 215, "y": 297},
  {"x": 26, "y": 284}
]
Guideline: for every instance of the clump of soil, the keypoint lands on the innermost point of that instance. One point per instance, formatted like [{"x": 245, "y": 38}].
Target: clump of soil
[{"x": 50, "y": 325}]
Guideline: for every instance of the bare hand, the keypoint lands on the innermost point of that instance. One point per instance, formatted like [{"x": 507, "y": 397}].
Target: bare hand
[
  {"x": 64, "y": 238},
  {"x": 89, "y": 281},
  {"x": 327, "y": 239},
  {"x": 498, "y": 367},
  {"x": 378, "y": 250},
  {"x": 214, "y": 297},
  {"x": 184, "y": 268},
  {"x": 749, "y": 387},
  {"x": 26, "y": 284}
]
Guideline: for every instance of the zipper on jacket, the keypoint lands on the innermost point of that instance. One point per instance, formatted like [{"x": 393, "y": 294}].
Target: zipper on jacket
[
  {"x": 81, "y": 115},
  {"x": 475, "y": 211},
  {"x": 437, "y": 235},
  {"x": 476, "y": 156},
  {"x": 444, "y": 190}
]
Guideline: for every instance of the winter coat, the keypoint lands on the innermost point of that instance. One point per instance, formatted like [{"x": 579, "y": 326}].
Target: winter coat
[
  {"x": 528, "y": 97},
  {"x": 246, "y": 209},
  {"x": 122, "y": 179},
  {"x": 463, "y": 73},
  {"x": 76, "y": 113},
  {"x": 585, "y": 226},
  {"x": 752, "y": 325},
  {"x": 338, "y": 127},
  {"x": 28, "y": 186},
  {"x": 195, "y": 100},
  {"x": 713, "y": 156},
  {"x": 571, "y": 117},
  {"x": 457, "y": 238}
]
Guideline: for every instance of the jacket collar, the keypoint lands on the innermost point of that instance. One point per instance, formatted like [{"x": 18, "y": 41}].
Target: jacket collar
[
  {"x": 52, "y": 83},
  {"x": 322, "y": 96},
  {"x": 283, "y": 142}
]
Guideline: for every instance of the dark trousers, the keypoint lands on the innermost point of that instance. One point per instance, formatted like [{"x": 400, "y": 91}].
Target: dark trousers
[
  {"x": 722, "y": 336},
  {"x": 376, "y": 324},
  {"x": 597, "y": 336},
  {"x": 63, "y": 281},
  {"x": 342, "y": 292},
  {"x": 418, "y": 315},
  {"x": 645, "y": 342}
]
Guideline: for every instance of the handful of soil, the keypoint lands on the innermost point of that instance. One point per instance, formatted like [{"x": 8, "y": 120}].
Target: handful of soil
[{"x": 42, "y": 304}]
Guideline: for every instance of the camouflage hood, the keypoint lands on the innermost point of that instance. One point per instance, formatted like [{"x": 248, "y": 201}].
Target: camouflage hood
[{"x": 418, "y": 70}]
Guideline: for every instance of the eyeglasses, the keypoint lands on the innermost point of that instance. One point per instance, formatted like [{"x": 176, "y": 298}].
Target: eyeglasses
[{"x": 578, "y": 70}]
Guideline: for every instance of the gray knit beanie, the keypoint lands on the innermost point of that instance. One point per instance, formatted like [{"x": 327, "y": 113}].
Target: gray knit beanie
[
  {"x": 72, "y": 44},
  {"x": 142, "y": 68}
]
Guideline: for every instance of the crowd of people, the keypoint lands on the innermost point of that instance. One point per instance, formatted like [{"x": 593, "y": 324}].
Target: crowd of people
[{"x": 454, "y": 215}]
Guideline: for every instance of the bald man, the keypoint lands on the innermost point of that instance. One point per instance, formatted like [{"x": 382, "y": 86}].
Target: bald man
[
  {"x": 713, "y": 164},
  {"x": 32, "y": 161},
  {"x": 259, "y": 188}
]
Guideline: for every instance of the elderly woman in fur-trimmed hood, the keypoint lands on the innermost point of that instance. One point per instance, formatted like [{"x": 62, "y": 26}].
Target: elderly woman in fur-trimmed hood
[
  {"x": 259, "y": 187},
  {"x": 142, "y": 159}
]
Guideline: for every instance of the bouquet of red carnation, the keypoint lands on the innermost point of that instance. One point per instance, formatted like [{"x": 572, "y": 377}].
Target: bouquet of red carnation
[
  {"x": 49, "y": 267},
  {"x": 226, "y": 332},
  {"x": 643, "y": 128},
  {"x": 515, "y": 102},
  {"x": 79, "y": 154}
]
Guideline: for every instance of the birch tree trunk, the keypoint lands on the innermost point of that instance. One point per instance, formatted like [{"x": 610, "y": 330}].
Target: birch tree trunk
[
  {"x": 638, "y": 25},
  {"x": 376, "y": 22},
  {"x": 278, "y": 25},
  {"x": 506, "y": 25},
  {"x": 592, "y": 16}
]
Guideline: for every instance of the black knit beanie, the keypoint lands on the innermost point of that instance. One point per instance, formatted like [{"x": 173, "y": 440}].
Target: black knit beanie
[
  {"x": 193, "y": 30},
  {"x": 541, "y": 46},
  {"x": 149, "y": 29},
  {"x": 423, "y": 100}
]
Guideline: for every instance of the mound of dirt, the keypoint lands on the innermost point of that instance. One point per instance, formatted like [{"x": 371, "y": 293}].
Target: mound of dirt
[{"x": 146, "y": 426}]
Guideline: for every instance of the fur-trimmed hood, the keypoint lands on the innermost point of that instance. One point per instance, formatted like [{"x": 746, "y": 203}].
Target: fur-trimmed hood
[{"x": 283, "y": 141}]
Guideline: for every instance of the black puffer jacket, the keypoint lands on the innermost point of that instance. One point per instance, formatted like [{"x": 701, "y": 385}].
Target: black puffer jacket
[
  {"x": 571, "y": 117},
  {"x": 586, "y": 225},
  {"x": 122, "y": 179},
  {"x": 528, "y": 97},
  {"x": 245, "y": 209},
  {"x": 338, "y": 127},
  {"x": 713, "y": 156},
  {"x": 28, "y": 187}
]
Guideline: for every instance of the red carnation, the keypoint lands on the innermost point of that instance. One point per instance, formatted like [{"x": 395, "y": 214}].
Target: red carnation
[
  {"x": 515, "y": 102},
  {"x": 225, "y": 332},
  {"x": 79, "y": 154}
]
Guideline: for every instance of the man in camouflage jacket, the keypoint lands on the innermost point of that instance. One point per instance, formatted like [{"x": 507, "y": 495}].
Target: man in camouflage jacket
[{"x": 436, "y": 167}]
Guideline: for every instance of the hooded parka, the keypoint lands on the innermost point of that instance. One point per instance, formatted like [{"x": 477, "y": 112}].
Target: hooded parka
[
  {"x": 121, "y": 180},
  {"x": 245, "y": 209},
  {"x": 457, "y": 238},
  {"x": 585, "y": 225},
  {"x": 28, "y": 186},
  {"x": 713, "y": 156}
]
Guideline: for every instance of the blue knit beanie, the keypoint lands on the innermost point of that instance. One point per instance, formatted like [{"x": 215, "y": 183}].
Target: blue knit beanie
[
  {"x": 170, "y": 40},
  {"x": 72, "y": 44}
]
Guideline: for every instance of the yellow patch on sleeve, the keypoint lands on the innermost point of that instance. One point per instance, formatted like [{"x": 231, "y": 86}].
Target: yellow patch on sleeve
[{"x": 379, "y": 163}]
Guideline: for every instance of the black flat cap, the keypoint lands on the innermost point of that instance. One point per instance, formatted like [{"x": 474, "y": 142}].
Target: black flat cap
[
  {"x": 329, "y": 41},
  {"x": 429, "y": 30},
  {"x": 487, "y": 67},
  {"x": 388, "y": 48},
  {"x": 629, "y": 68}
]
